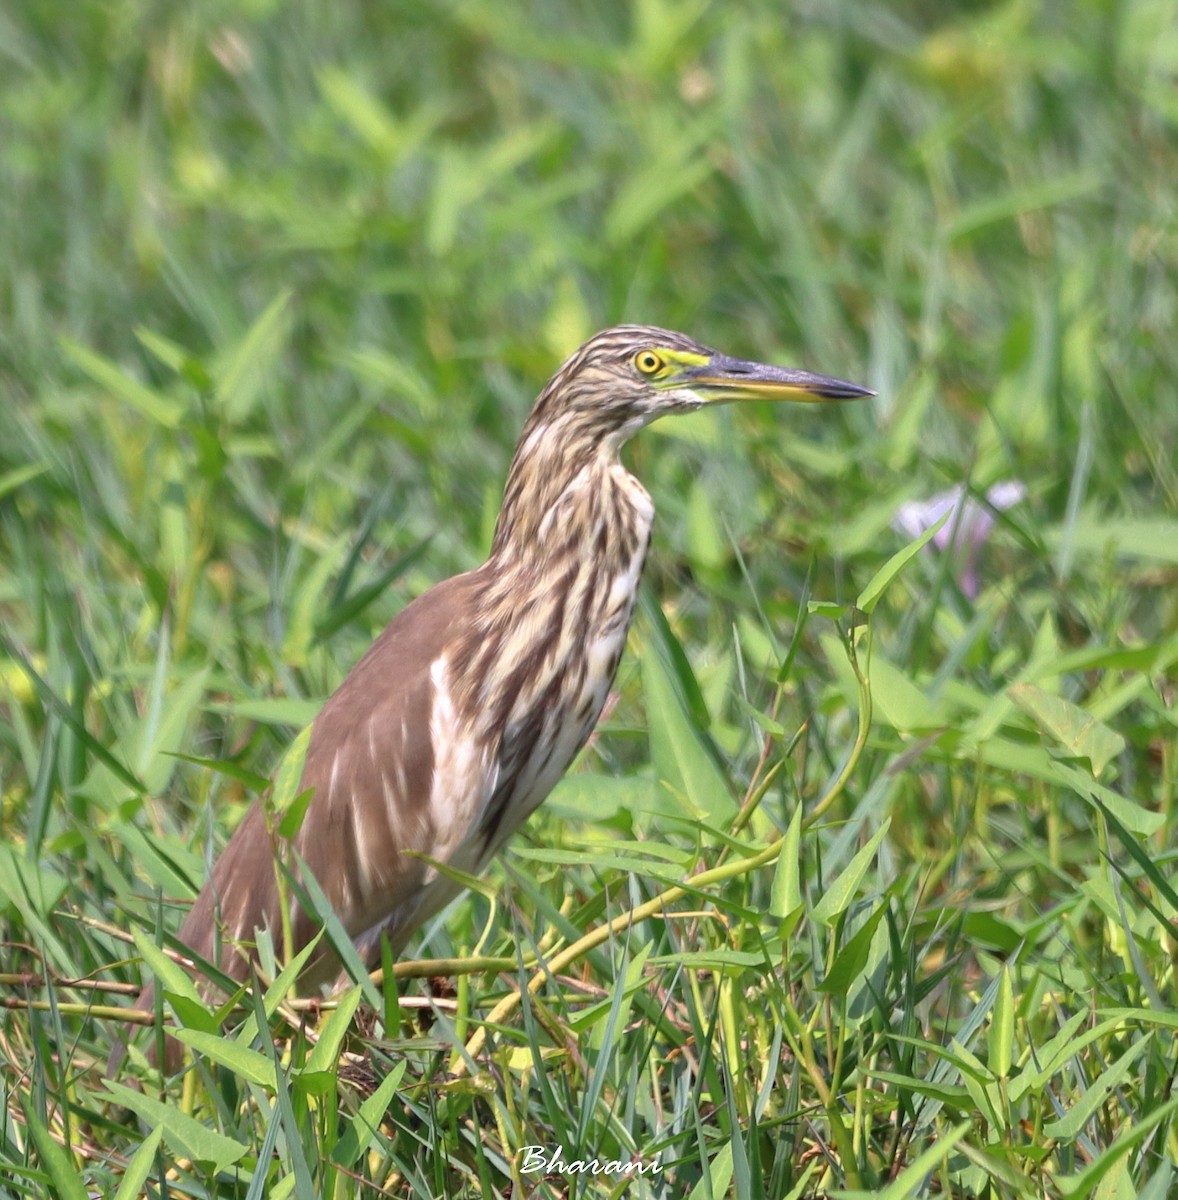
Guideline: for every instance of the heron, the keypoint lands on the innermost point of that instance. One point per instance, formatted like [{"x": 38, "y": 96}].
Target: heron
[{"x": 473, "y": 702}]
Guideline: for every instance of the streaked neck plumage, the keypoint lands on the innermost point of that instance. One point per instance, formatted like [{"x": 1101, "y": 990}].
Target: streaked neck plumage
[
  {"x": 562, "y": 490},
  {"x": 558, "y": 593}
]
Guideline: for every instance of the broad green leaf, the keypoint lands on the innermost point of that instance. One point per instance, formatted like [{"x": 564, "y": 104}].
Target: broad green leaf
[
  {"x": 1154, "y": 870},
  {"x": 1083, "y": 1183},
  {"x": 186, "y": 1135},
  {"x": 290, "y": 773},
  {"x": 827, "y": 609},
  {"x": 988, "y": 929},
  {"x": 591, "y": 798},
  {"x": 953, "y": 1057},
  {"x": 838, "y": 896},
  {"x": 852, "y": 958},
  {"x": 325, "y": 1055},
  {"x": 294, "y": 814},
  {"x": 605, "y": 851},
  {"x": 869, "y": 596},
  {"x": 1096, "y": 1093},
  {"x": 170, "y": 353},
  {"x": 1159, "y": 1184},
  {"x": 172, "y": 976},
  {"x": 1048, "y": 1056},
  {"x": 953, "y": 1095},
  {"x": 1072, "y": 1039},
  {"x": 707, "y": 545},
  {"x": 360, "y": 110},
  {"x": 1144, "y": 658},
  {"x": 365, "y": 1126},
  {"x": 895, "y": 700},
  {"x": 159, "y": 409},
  {"x": 1138, "y": 820},
  {"x": 983, "y": 1092},
  {"x": 523, "y": 1059},
  {"x": 140, "y": 1166},
  {"x": 1000, "y": 706},
  {"x": 283, "y": 1189},
  {"x": 1076, "y": 730},
  {"x": 712, "y": 960},
  {"x": 230, "y": 768},
  {"x": 1018, "y": 758},
  {"x": 679, "y": 670},
  {"x": 194, "y": 1014},
  {"x": 771, "y": 727},
  {"x": 900, "y": 702},
  {"x": 245, "y": 1063},
  {"x": 171, "y": 715},
  {"x": 683, "y": 767},
  {"x": 67, "y": 1183},
  {"x": 464, "y": 177},
  {"x": 786, "y": 894},
  {"x": 176, "y": 870},
  {"x": 240, "y": 378},
  {"x": 719, "y": 1175},
  {"x": 19, "y": 476},
  {"x": 1001, "y": 1042},
  {"x": 29, "y": 886},
  {"x": 278, "y": 711}
]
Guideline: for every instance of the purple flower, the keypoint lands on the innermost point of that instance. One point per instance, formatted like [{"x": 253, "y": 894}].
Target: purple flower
[{"x": 968, "y": 528}]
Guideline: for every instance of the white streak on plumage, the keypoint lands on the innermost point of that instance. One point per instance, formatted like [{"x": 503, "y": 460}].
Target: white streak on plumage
[
  {"x": 341, "y": 811},
  {"x": 392, "y": 804},
  {"x": 463, "y": 775},
  {"x": 331, "y": 786},
  {"x": 363, "y": 883}
]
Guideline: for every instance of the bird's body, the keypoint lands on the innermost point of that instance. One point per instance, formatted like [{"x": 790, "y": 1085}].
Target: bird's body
[
  {"x": 384, "y": 793},
  {"x": 464, "y": 713}
]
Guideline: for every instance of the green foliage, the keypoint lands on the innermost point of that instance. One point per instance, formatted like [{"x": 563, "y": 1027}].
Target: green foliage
[{"x": 280, "y": 282}]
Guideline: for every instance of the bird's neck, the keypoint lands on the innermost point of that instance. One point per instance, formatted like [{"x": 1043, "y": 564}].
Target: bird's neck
[{"x": 566, "y": 491}]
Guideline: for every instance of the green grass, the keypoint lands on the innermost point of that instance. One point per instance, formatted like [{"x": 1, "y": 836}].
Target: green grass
[{"x": 279, "y": 283}]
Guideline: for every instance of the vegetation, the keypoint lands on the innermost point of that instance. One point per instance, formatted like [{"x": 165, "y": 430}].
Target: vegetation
[{"x": 280, "y": 282}]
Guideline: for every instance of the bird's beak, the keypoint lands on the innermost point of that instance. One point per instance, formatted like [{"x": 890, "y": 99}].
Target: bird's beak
[{"x": 722, "y": 379}]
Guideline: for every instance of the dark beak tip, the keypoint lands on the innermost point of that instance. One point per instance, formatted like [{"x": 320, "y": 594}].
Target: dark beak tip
[{"x": 841, "y": 390}]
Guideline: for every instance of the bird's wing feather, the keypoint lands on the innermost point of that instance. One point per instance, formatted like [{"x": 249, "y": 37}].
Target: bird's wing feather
[{"x": 382, "y": 796}]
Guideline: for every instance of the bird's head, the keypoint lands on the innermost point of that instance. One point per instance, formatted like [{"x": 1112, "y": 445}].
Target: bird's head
[
  {"x": 617, "y": 382},
  {"x": 626, "y": 377}
]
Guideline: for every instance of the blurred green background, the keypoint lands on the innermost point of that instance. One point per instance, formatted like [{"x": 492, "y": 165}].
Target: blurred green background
[{"x": 280, "y": 280}]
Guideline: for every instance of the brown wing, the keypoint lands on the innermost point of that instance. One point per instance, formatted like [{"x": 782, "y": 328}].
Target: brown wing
[{"x": 378, "y": 793}]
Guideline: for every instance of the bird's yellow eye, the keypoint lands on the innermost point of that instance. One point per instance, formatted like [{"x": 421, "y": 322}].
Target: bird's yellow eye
[{"x": 648, "y": 362}]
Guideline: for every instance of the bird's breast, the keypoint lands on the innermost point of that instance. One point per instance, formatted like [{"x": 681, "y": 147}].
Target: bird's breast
[
  {"x": 553, "y": 721},
  {"x": 535, "y": 668}
]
